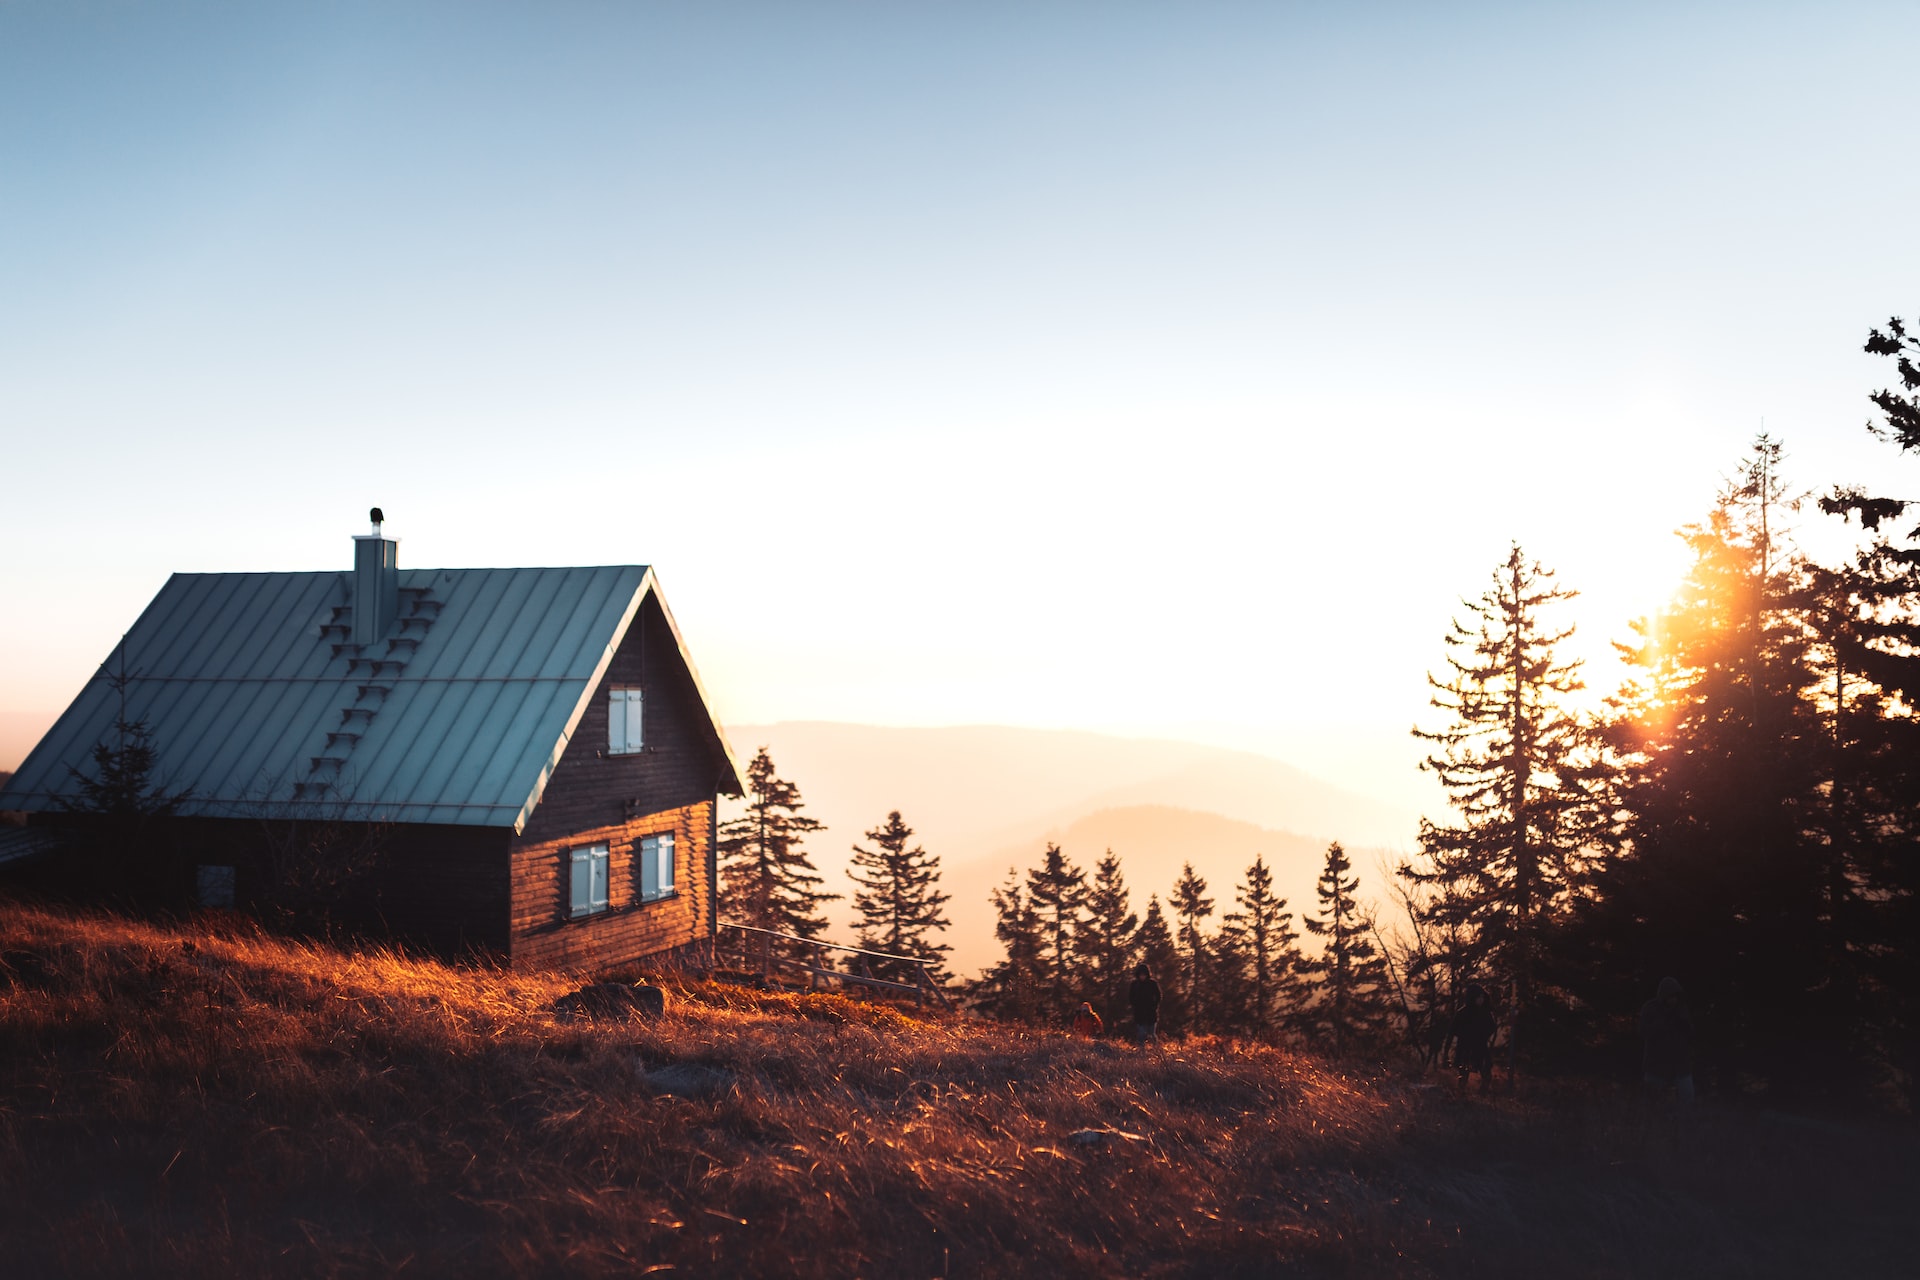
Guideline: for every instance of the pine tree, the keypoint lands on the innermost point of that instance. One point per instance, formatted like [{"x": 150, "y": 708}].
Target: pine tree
[
  {"x": 1518, "y": 767},
  {"x": 122, "y": 789},
  {"x": 1725, "y": 867},
  {"x": 1107, "y": 941},
  {"x": 768, "y": 880},
  {"x": 897, "y": 899},
  {"x": 1014, "y": 988},
  {"x": 1156, "y": 948},
  {"x": 123, "y": 797},
  {"x": 1191, "y": 905},
  {"x": 1350, "y": 1008},
  {"x": 1257, "y": 988},
  {"x": 1869, "y": 624},
  {"x": 1057, "y": 893}
]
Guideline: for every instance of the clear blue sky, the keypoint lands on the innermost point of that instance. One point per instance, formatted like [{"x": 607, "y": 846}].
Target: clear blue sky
[{"x": 1166, "y": 369}]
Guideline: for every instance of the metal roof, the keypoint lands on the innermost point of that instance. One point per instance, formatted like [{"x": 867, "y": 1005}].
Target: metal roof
[{"x": 260, "y": 706}]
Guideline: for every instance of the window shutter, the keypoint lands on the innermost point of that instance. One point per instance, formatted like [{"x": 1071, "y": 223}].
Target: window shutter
[
  {"x": 598, "y": 861},
  {"x": 649, "y": 868},
  {"x": 665, "y": 863},
  {"x": 634, "y": 742},
  {"x": 617, "y": 721},
  {"x": 582, "y": 883}
]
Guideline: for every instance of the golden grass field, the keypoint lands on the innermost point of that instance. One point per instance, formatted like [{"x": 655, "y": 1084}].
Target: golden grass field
[{"x": 205, "y": 1099}]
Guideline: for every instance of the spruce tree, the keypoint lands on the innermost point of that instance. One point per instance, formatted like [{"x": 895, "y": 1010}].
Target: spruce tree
[
  {"x": 122, "y": 791},
  {"x": 1724, "y": 874},
  {"x": 768, "y": 881},
  {"x": 1349, "y": 1009},
  {"x": 897, "y": 899},
  {"x": 1107, "y": 942},
  {"x": 1014, "y": 988},
  {"x": 1157, "y": 950},
  {"x": 123, "y": 799},
  {"x": 1869, "y": 625},
  {"x": 1191, "y": 905},
  {"x": 1057, "y": 893},
  {"x": 1519, "y": 769},
  {"x": 1257, "y": 986}
]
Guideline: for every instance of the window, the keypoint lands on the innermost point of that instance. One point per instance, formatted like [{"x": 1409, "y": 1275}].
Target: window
[
  {"x": 589, "y": 879},
  {"x": 623, "y": 722},
  {"x": 656, "y": 867},
  {"x": 213, "y": 886}
]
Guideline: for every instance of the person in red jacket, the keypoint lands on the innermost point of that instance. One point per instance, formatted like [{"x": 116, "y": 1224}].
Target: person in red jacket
[{"x": 1087, "y": 1023}]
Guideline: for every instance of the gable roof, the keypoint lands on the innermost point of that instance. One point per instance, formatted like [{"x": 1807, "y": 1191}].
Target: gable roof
[{"x": 260, "y": 708}]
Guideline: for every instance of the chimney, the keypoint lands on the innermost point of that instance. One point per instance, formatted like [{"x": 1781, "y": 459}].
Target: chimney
[{"x": 376, "y": 583}]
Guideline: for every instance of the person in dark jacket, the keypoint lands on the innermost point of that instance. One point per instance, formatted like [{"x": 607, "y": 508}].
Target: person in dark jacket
[
  {"x": 1472, "y": 1037},
  {"x": 1666, "y": 1042},
  {"x": 1144, "y": 996}
]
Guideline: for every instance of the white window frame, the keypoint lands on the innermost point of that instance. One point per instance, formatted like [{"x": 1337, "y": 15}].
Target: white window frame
[
  {"x": 656, "y": 873},
  {"x": 625, "y": 721},
  {"x": 587, "y": 880}
]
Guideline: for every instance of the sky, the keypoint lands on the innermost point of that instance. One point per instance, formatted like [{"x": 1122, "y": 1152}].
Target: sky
[{"x": 1162, "y": 370}]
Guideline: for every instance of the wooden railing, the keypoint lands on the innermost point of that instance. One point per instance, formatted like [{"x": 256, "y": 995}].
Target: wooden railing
[{"x": 769, "y": 950}]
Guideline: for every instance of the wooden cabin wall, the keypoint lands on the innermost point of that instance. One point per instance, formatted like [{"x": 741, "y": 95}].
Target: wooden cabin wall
[
  {"x": 441, "y": 889},
  {"x": 544, "y": 937},
  {"x": 595, "y": 797}
]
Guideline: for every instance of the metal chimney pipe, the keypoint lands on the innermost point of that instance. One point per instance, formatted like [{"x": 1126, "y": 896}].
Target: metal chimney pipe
[{"x": 376, "y": 583}]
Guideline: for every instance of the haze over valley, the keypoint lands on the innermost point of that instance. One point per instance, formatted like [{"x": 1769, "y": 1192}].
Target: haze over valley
[{"x": 986, "y": 797}]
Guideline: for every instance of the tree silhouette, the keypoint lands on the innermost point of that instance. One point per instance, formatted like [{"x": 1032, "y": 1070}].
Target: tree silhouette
[
  {"x": 1155, "y": 946},
  {"x": 769, "y": 882},
  {"x": 1352, "y": 974},
  {"x": 1107, "y": 941},
  {"x": 897, "y": 898},
  {"x": 122, "y": 786},
  {"x": 1726, "y": 869},
  {"x": 122, "y": 798},
  {"x": 1868, "y": 620},
  {"x": 1258, "y": 985},
  {"x": 1014, "y": 988},
  {"x": 1191, "y": 905},
  {"x": 1057, "y": 893},
  {"x": 1519, "y": 770}
]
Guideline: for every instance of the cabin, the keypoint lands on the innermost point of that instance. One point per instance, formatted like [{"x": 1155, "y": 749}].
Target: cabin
[{"x": 514, "y": 763}]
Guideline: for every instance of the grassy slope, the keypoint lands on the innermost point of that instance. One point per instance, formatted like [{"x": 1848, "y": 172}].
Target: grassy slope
[{"x": 182, "y": 1102}]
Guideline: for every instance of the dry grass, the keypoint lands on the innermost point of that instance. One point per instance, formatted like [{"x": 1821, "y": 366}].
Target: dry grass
[{"x": 180, "y": 1101}]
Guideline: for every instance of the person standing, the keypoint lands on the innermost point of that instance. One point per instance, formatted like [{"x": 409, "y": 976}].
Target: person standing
[
  {"x": 1144, "y": 996},
  {"x": 1666, "y": 1043},
  {"x": 1472, "y": 1037}
]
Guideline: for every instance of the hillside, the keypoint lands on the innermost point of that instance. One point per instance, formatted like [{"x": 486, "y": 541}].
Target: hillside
[
  {"x": 217, "y": 1102},
  {"x": 984, "y": 796}
]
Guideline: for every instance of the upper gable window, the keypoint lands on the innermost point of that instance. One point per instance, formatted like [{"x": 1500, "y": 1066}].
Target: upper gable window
[{"x": 623, "y": 722}]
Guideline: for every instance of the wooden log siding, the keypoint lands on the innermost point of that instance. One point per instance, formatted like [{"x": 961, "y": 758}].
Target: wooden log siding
[
  {"x": 545, "y": 936},
  {"x": 598, "y": 798}
]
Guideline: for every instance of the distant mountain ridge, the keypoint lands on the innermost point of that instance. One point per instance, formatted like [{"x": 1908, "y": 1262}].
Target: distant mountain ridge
[{"x": 985, "y": 796}]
